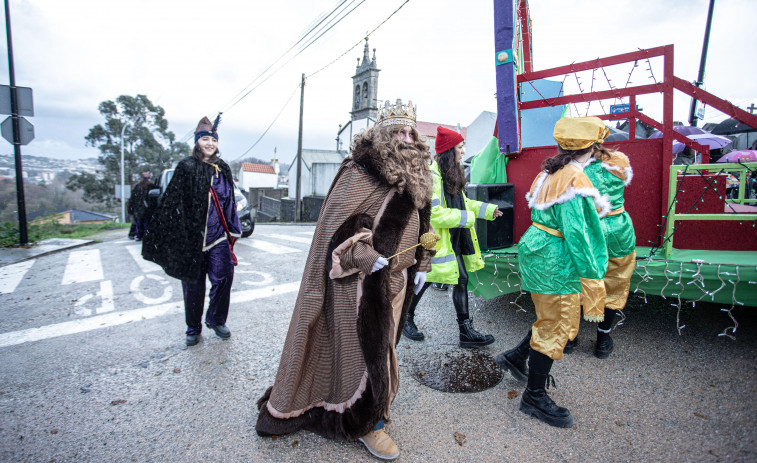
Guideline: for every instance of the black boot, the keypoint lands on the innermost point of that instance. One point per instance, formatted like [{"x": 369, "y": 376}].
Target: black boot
[
  {"x": 535, "y": 400},
  {"x": 604, "y": 345},
  {"x": 469, "y": 337},
  {"x": 410, "y": 331},
  {"x": 516, "y": 360},
  {"x": 570, "y": 346}
]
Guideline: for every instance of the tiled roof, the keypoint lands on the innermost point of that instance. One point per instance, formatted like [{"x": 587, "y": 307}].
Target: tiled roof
[
  {"x": 86, "y": 216},
  {"x": 428, "y": 129},
  {"x": 262, "y": 168}
]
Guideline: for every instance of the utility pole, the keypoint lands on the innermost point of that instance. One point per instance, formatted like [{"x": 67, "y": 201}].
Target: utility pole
[
  {"x": 702, "y": 61},
  {"x": 297, "y": 207},
  {"x": 23, "y": 235}
]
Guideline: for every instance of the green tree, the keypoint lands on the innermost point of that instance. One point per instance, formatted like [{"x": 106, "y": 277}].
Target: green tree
[{"x": 148, "y": 146}]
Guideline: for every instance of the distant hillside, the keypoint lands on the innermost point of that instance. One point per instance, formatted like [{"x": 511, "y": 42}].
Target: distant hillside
[{"x": 41, "y": 168}]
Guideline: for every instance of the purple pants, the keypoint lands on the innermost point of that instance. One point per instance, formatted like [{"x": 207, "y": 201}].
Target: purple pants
[
  {"x": 219, "y": 268},
  {"x": 141, "y": 228}
]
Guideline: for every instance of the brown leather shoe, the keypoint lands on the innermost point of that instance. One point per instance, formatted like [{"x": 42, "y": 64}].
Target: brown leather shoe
[{"x": 380, "y": 445}]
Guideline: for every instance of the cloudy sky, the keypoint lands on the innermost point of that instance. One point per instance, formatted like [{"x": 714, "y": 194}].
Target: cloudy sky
[{"x": 196, "y": 58}]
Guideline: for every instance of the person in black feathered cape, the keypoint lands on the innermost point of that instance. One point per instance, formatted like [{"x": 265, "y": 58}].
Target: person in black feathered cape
[{"x": 185, "y": 235}]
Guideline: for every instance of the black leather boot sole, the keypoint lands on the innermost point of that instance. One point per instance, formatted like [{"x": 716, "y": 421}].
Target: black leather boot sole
[
  {"x": 485, "y": 342},
  {"x": 506, "y": 364},
  {"x": 540, "y": 408},
  {"x": 411, "y": 332},
  {"x": 193, "y": 339},
  {"x": 221, "y": 331}
]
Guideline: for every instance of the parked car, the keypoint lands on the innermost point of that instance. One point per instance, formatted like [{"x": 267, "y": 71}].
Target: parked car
[{"x": 245, "y": 214}]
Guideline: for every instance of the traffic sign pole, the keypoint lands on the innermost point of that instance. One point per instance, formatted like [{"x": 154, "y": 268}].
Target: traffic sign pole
[{"x": 23, "y": 233}]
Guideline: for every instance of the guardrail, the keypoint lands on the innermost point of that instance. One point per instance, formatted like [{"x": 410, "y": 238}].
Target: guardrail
[{"x": 742, "y": 169}]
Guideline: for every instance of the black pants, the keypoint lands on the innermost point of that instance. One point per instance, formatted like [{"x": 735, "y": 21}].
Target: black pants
[{"x": 459, "y": 293}]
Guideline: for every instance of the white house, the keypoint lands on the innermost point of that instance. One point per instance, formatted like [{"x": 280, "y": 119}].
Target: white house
[
  {"x": 319, "y": 167},
  {"x": 258, "y": 176}
]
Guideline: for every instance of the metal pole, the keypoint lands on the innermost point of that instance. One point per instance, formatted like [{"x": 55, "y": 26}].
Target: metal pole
[
  {"x": 702, "y": 61},
  {"x": 22, "y": 231},
  {"x": 297, "y": 212},
  {"x": 123, "y": 207}
]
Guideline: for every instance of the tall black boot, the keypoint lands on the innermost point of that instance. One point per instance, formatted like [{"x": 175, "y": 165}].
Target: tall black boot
[
  {"x": 410, "y": 330},
  {"x": 469, "y": 337},
  {"x": 605, "y": 345},
  {"x": 535, "y": 400},
  {"x": 516, "y": 359},
  {"x": 570, "y": 346}
]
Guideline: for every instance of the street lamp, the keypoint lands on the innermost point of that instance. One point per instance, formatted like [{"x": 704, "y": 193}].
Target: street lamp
[{"x": 123, "y": 206}]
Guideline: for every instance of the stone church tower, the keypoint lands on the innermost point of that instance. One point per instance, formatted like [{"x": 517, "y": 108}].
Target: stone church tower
[{"x": 365, "y": 87}]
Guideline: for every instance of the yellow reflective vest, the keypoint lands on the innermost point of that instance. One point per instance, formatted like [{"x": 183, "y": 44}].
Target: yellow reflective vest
[{"x": 444, "y": 263}]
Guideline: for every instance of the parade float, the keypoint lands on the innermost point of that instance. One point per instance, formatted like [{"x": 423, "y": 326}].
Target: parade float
[{"x": 694, "y": 242}]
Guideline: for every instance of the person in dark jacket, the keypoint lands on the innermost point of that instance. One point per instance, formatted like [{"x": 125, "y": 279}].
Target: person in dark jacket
[
  {"x": 191, "y": 235},
  {"x": 139, "y": 206}
]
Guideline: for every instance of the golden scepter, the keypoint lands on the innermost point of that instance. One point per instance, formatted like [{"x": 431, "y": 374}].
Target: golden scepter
[{"x": 427, "y": 240}]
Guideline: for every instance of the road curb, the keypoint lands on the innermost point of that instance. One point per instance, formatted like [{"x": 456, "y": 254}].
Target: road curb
[{"x": 43, "y": 253}]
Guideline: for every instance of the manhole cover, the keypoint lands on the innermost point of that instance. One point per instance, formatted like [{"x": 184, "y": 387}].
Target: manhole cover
[{"x": 456, "y": 370}]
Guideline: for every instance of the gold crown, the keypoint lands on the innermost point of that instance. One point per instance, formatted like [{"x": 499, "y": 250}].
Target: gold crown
[{"x": 397, "y": 114}]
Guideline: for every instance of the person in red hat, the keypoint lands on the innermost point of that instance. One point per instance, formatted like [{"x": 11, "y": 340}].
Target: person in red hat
[{"x": 457, "y": 253}]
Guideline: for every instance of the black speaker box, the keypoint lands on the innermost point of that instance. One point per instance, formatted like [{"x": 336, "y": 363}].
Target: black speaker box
[{"x": 499, "y": 233}]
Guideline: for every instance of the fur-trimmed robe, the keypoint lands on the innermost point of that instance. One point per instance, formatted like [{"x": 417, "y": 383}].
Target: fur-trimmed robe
[
  {"x": 176, "y": 233},
  {"x": 338, "y": 371}
]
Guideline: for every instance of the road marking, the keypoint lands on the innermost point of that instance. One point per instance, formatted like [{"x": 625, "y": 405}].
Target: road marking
[
  {"x": 296, "y": 239},
  {"x": 267, "y": 246},
  {"x": 11, "y": 275},
  {"x": 106, "y": 296},
  {"x": 265, "y": 277},
  {"x": 309, "y": 233},
  {"x": 145, "y": 265},
  {"x": 120, "y": 318},
  {"x": 165, "y": 297},
  {"x": 83, "y": 266}
]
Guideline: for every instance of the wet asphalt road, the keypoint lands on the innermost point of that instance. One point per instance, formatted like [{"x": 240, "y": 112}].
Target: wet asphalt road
[{"x": 99, "y": 384}]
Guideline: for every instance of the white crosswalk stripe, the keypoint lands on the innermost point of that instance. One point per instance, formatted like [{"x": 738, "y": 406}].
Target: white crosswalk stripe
[
  {"x": 145, "y": 265},
  {"x": 296, "y": 239},
  {"x": 83, "y": 266},
  {"x": 119, "y": 318},
  {"x": 11, "y": 275},
  {"x": 267, "y": 246}
]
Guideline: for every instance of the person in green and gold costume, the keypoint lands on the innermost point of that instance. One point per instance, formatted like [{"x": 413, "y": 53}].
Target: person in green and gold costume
[
  {"x": 564, "y": 244},
  {"x": 610, "y": 172}
]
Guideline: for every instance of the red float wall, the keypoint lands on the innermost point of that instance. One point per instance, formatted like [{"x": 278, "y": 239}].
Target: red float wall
[{"x": 644, "y": 199}]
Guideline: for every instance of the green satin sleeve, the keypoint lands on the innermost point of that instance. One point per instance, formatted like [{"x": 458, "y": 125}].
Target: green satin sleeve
[{"x": 584, "y": 239}]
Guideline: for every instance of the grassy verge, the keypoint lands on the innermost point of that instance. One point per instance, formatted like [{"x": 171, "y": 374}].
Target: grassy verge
[{"x": 9, "y": 231}]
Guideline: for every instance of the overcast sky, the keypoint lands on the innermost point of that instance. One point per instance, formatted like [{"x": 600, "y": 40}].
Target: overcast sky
[{"x": 194, "y": 58}]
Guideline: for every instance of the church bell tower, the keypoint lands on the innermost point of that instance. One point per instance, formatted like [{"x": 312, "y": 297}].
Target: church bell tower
[{"x": 365, "y": 87}]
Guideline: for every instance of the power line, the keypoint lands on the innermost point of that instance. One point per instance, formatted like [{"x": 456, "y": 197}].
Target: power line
[
  {"x": 293, "y": 57},
  {"x": 269, "y": 126},
  {"x": 302, "y": 50},
  {"x": 319, "y": 70},
  {"x": 302, "y": 37},
  {"x": 308, "y": 31},
  {"x": 361, "y": 40}
]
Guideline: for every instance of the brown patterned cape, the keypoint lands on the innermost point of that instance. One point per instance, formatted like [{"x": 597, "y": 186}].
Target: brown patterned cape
[{"x": 337, "y": 374}]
